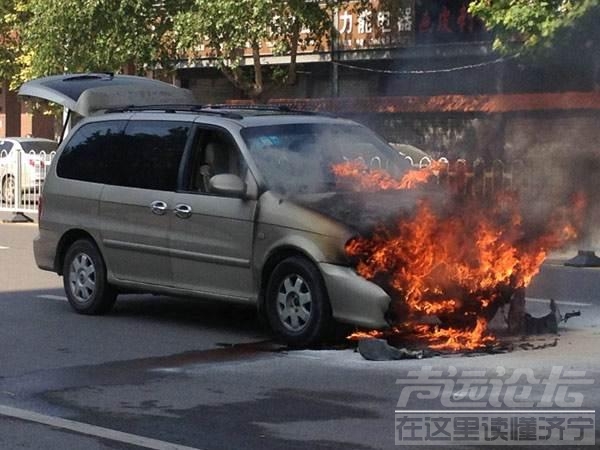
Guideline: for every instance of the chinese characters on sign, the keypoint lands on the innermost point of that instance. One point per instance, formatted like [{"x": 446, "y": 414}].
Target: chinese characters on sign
[
  {"x": 446, "y": 21},
  {"x": 367, "y": 28},
  {"x": 494, "y": 407},
  {"x": 390, "y": 24},
  {"x": 494, "y": 428}
]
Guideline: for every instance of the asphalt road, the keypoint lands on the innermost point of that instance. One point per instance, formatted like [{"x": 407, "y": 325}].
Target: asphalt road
[{"x": 169, "y": 373}]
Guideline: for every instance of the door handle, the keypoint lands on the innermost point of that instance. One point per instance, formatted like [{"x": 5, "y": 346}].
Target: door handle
[
  {"x": 183, "y": 211},
  {"x": 158, "y": 207}
]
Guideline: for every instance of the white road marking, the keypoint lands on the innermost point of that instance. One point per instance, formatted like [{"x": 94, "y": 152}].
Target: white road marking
[
  {"x": 558, "y": 302},
  {"x": 90, "y": 430},
  {"x": 3, "y": 248},
  {"x": 52, "y": 297}
]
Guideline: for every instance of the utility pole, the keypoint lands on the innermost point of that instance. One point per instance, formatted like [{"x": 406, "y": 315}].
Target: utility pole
[{"x": 335, "y": 87}]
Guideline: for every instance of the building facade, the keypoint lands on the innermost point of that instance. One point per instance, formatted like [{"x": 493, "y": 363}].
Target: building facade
[
  {"x": 418, "y": 71},
  {"x": 424, "y": 72}
]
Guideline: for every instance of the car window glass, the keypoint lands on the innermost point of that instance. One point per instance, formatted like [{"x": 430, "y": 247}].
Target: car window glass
[
  {"x": 298, "y": 158},
  {"x": 152, "y": 153},
  {"x": 146, "y": 155},
  {"x": 39, "y": 146},
  {"x": 5, "y": 147},
  {"x": 92, "y": 153},
  {"x": 215, "y": 153}
]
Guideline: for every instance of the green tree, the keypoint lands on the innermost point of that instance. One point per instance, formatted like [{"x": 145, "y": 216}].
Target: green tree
[
  {"x": 527, "y": 26},
  {"x": 228, "y": 27},
  {"x": 97, "y": 35},
  {"x": 12, "y": 16}
]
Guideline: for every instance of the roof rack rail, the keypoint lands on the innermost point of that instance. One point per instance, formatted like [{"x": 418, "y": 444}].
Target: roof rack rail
[
  {"x": 195, "y": 108},
  {"x": 273, "y": 107}
]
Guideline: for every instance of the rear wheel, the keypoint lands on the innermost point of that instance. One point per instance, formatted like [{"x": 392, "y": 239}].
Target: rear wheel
[
  {"x": 8, "y": 190},
  {"x": 84, "y": 279},
  {"x": 297, "y": 304}
]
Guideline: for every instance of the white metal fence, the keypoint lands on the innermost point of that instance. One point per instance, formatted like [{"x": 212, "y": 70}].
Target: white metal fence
[
  {"x": 21, "y": 177},
  {"x": 478, "y": 178}
]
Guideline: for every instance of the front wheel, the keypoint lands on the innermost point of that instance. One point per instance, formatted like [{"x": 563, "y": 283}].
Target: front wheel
[
  {"x": 297, "y": 304},
  {"x": 84, "y": 279}
]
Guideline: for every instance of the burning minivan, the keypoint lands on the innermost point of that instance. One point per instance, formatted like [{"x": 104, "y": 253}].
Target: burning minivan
[
  {"x": 310, "y": 218},
  {"x": 151, "y": 192}
]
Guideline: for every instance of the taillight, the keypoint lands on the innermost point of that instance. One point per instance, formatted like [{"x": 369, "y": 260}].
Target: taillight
[{"x": 40, "y": 207}]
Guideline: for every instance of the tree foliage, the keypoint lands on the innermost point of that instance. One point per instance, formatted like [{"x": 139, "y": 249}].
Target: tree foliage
[
  {"x": 228, "y": 27},
  {"x": 528, "y": 26},
  {"x": 12, "y": 16},
  {"x": 96, "y": 35}
]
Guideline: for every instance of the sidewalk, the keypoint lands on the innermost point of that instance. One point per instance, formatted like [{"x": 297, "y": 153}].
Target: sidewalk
[{"x": 7, "y": 217}]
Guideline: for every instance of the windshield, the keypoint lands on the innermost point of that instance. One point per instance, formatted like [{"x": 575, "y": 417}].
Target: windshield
[{"x": 298, "y": 158}]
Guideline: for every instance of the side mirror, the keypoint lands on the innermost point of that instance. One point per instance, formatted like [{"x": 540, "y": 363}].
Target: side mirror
[{"x": 227, "y": 184}]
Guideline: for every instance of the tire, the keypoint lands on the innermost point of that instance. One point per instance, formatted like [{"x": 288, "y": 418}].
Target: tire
[
  {"x": 296, "y": 303},
  {"x": 84, "y": 279},
  {"x": 8, "y": 190}
]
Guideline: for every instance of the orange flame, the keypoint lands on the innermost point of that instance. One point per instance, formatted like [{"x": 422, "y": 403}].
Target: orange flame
[
  {"x": 455, "y": 265},
  {"x": 456, "y": 339},
  {"x": 372, "y": 179}
]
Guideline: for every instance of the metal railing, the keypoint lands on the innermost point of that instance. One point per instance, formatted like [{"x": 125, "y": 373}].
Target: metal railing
[
  {"x": 478, "y": 178},
  {"x": 22, "y": 175}
]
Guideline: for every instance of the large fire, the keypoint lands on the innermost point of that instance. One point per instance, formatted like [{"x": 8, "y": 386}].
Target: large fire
[{"x": 454, "y": 264}]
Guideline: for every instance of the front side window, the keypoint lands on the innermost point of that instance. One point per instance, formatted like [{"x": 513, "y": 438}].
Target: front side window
[
  {"x": 215, "y": 153},
  {"x": 152, "y": 153}
]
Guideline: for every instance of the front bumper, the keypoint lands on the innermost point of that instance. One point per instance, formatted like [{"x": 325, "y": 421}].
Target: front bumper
[{"x": 354, "y": 299}]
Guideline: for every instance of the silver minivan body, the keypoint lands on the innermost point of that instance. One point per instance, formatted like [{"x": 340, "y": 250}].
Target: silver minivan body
[{"x": 228, "y": 236}]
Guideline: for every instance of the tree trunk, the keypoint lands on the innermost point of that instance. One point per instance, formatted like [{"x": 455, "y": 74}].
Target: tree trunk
[
  {"x": 129, "y": 68},
  {"x": 295, "y": 38},
  {"x": 258, "y": 76},
  {"x": 596, "y": 69},
  {"x": 237, "y": 77}
]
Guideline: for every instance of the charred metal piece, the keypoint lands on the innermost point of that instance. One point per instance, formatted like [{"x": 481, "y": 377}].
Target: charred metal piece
[
  {"x": 380, "y": 350},
  {"x": 530, "y": 346},
  {"x": 545, "y": 324},
  {"x": 567, "y": 316}
]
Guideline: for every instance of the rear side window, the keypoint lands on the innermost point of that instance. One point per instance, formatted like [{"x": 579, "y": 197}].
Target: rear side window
[
  {"x": 92, "y": 153},
  {"x": 142, "y": 154}
]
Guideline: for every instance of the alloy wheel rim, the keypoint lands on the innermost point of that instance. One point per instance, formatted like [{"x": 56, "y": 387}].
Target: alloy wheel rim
[
  {"x": 294, "y": 303},
  {"x": 82, "y": 278},
  {"x": 9, "y": 191}
]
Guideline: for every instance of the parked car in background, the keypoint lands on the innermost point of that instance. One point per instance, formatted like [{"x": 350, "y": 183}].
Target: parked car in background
[{"x": 35, "y": 156}]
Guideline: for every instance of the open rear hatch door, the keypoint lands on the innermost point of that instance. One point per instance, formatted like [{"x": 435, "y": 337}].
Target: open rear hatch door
[{"x": 93, "y": 93}]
